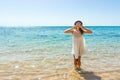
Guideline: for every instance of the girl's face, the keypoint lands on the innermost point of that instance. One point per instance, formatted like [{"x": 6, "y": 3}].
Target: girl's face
[{"x": 78, "y": 25}]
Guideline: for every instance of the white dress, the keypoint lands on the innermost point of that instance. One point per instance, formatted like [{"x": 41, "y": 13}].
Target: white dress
[{"x": 78, "y": 45}]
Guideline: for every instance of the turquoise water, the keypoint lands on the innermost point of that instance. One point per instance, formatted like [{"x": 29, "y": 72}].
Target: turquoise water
[{"x": 29, "y": 43}]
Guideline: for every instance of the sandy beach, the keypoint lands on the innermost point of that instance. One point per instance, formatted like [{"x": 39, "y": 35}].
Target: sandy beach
[
  {"x": 50, "y": 69},
  {"x": 63, "y": 74}
]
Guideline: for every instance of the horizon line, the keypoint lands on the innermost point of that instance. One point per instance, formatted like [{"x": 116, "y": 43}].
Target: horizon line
[{"x": 57, "y": 25}]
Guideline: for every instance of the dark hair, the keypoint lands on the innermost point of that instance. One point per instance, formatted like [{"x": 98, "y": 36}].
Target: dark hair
[{"x": 81, "y": 31}]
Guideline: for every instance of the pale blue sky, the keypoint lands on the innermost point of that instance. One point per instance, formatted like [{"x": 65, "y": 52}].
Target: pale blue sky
[{"x": 59, "y": 12}]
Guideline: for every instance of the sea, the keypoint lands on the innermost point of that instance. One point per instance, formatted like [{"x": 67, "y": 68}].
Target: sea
[{"x": 47, "y": 48}]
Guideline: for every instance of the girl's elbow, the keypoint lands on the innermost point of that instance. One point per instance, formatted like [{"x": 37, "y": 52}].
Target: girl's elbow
[
  {"x": 90, "y": 32},
  {"x": 66, "y": 32}
]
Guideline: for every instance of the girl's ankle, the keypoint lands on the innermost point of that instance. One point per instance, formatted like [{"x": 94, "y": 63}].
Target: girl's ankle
[{"x": 75, "y": 67}]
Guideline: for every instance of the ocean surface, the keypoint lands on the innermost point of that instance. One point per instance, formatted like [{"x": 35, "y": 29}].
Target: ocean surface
[{"x": 23, "y": 47}]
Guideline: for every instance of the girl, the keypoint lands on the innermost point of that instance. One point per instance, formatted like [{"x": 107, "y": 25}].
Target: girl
[{"x": 78, "y": 46}]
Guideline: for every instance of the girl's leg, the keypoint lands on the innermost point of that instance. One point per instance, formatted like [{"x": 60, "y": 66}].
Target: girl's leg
[
  {"x": 75, "y": 62},
  {"x": 79, "y": 62}
]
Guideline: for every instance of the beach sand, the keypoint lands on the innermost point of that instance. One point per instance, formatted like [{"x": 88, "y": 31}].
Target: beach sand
[
  {"x": 62, "y": 69},
  {"x": 62, "y": 74}
]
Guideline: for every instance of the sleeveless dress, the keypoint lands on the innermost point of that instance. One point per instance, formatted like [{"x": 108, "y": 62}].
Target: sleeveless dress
[{"x": 78, "y": 45}]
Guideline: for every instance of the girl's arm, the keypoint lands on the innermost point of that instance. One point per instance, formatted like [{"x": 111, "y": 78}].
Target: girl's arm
[
  {"x": 87, "y": 30},
  {"x": 69, "y": 30}
]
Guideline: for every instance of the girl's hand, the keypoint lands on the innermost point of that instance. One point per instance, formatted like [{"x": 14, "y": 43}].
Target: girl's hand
[{"x": 80, "y": 26}]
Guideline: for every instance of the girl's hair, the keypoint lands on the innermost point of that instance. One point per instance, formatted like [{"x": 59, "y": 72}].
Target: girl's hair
[{"x": 81, "y": 31}]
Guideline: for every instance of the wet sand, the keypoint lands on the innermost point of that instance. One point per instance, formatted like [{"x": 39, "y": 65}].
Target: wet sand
[
  {"x": 94, "y": 68},
  {"x": 62, "y": 74}
]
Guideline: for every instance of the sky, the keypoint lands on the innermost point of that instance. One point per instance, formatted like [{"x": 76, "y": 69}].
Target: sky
[{"x": 59, "y": 12}]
